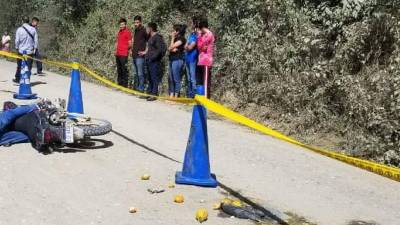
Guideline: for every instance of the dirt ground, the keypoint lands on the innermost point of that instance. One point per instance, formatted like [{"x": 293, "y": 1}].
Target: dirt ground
[{"x": 97, "y": 186}]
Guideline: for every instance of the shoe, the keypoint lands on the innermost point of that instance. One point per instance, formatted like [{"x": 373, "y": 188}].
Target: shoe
[
  {"x": 41, "y": 74},
  {"x": 9, "y": 105},
  {"x": 151, "y": 99},
  {"x": 144, "y": 97},
  {"x": 15, "y": 81}
]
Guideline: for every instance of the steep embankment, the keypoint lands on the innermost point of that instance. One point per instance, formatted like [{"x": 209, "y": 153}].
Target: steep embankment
[{"x": 309, "y": 67}]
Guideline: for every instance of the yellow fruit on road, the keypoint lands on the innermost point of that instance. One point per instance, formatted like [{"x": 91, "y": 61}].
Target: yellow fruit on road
[
  {"x": 145, "y": 177},
  {"x": 237, "y": 203},
  {"x": 133, "y": 210},
  {"x": 201, "y": 215},
  {"x": 179, "y": 199},
  {"x": 217, "y": 206},
  {"x": 227, "y": 201}
]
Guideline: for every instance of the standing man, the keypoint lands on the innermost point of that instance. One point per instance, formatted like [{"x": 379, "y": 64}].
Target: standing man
[
  {"x": 26, "y": 42},
  {"x": 39, "y": 65},
  {"x": 122, "y": 46},
  {"x": 139, "y": 45},
  {"x": 191, "y": 59},
  {"x": 205, "y": 45},
  {"x": 156, "y": 49}
]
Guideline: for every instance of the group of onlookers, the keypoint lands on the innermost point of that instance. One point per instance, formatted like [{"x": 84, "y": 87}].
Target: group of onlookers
[
  {"x": 192, "y": 53},
  {"x": 27, "y": 42}
]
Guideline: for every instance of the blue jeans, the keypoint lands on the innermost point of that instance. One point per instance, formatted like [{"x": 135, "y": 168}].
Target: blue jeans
[
  {"x": 9, "y": 116},
  {"x": 155, "y": 77},
  {"x": 191, "y": 68},
  {"x": 175, "y": 76},
  {"x": 138, "y": 64}
]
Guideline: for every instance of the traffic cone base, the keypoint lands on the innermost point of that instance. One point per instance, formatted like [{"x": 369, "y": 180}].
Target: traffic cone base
[
  {"x": 210, "y": 182},
  {"x": 25, "y": 96}
]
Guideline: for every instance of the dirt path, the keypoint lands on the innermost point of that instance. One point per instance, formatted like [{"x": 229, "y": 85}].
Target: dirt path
[{"x": 98, "y": 186}]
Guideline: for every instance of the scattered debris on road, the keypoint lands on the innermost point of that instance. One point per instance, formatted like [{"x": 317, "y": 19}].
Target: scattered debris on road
[
  {"x": 155, "y": 190},
  {"x": 145, "y": 177},
  {"x": 179, "y": 199},
  {"x": 133, "y": 210},
  {"x": 202, "y": 215}
]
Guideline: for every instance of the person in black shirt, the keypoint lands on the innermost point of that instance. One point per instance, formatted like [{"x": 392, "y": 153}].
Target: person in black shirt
[
  {"x": 139, "y": 46},
  {"x": 154, "y": 53},
  {"x": 176, "y": 59}
]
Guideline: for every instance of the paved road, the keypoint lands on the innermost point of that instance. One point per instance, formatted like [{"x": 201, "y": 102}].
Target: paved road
[{"x": 98, "y": 186}]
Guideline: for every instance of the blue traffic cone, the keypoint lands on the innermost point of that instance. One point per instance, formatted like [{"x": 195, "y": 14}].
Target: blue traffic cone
[
  {"x": 75, "y": 102},
  {"x": 25, "y": 91},
  {"x": 196, "y": 167}
]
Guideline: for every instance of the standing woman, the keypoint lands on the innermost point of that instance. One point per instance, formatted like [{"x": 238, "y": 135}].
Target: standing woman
[
  {"x": 176, "y": 59},
  {"x": 5, "y": 42}
]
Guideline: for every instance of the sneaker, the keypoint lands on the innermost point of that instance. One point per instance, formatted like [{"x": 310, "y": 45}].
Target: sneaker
[
  {"x": 15, "y": 81},
  {"x": 40, "y": 74},
  {"x": 151, "y": 99},
  {"x": 9, "y": 105}
]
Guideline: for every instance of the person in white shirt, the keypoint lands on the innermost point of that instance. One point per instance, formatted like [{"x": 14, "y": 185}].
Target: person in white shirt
[{"x": 26, "y": 42}]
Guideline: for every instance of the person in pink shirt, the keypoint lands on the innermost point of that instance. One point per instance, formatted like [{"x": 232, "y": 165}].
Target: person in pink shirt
[{"x": 205, "y": 45}]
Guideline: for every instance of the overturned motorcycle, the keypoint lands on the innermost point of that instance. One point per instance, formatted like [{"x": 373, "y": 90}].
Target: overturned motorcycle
[{"x": 77, "y": 128}]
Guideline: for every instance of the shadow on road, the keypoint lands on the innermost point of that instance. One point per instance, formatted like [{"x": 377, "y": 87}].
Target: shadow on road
[
  {"x": 144, "y": 146},
  {"x": 92, "y": 144},
  {"x": 226, "y": 188},
  {"x": 33, "y": 84}
]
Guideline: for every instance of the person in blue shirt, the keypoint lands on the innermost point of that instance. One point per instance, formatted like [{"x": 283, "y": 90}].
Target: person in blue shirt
[{"x": 191, "y": 58}]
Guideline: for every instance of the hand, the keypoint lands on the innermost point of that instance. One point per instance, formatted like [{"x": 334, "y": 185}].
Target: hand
[
  {"x": 174, "y": 50},
  {"x": 173, "y": 34},
  {"x": 141, "y": 53}
]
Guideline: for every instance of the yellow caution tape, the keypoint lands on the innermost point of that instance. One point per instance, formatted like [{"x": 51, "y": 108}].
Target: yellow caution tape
[
  {"x": 133, "y": 92},
  {"x": 387, "y": 171}
]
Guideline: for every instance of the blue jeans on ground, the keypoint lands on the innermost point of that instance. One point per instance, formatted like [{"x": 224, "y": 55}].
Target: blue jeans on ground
[
  {"x": 155, "y": 77},
  {"x": 175, "y": 76},
  {"x": 9, "y": 116},
  {"x": 191, "y": 68},
  {"x": 39, "y": 65},
  {"x": 138, "y": 64}
]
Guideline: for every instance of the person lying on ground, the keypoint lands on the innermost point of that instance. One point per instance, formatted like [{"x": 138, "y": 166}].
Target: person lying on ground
[{"x": 24, "y": 124}]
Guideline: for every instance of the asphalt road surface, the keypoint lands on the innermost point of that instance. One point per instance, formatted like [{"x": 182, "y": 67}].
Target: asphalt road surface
[{"x": 97, "y": 186}]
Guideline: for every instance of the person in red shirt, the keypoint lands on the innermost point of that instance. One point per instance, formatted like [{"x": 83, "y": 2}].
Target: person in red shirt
[{"x": 122, "y": 47}]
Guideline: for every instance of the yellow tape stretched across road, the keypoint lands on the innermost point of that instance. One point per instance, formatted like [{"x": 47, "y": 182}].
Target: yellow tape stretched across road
[
  {"x": 387, "y": 171},
  {"x": 130, "y": 91}
]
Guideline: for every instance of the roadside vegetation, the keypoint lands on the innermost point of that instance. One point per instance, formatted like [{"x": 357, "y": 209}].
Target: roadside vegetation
[{"x": 316, "y": 69}]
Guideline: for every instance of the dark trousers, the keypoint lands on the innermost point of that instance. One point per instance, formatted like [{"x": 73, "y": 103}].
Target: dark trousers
[
  {"x": 122, "y": 70},
  {"x": 19, "y": 64},
  {"x": 39, "y": 65},
  {"x": 202, "y": 71},
  {"x": 155, "y": 77}
]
